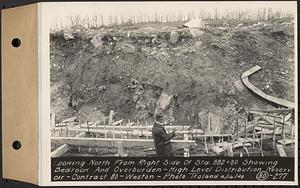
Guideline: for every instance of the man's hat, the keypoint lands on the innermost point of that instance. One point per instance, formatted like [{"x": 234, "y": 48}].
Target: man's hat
[{"x": 159, "y": 116}]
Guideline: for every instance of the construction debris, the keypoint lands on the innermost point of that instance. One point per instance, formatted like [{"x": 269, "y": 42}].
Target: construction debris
[{"x": 250, "y": 138}]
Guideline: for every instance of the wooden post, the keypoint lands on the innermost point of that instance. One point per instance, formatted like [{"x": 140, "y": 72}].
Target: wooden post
[
  {"x": 261, "y": 138},
  {"x": 210, "y": 130},
  {"x": 97, "y": 134},
  {"x": 205, "y": 144},
  {"x": 52, "y": 119},
  {"x": 283, "y": 132},
  {"x": 141, "y": 130},
  {"x": 113, "y": 131},
  {"x": 67, "y": 131},
  {"x": 208, "y": 123},
  {"x": 110, "y": 120},
  {"x": 120, "y": 149},
  {"x": 185, "y": 136},
  {"x": 253, "y": 137},
  {"x": 292, "y": 135},
  {"x": 222, "y": 128},
  {"x": 147, "y": 131},
  {"x": 237, "y": 128},
  {"x": 245, "y": 134},
  {"x": 230, "y": 150},
  {"x": 186, "y": 152},
  {"x": 274, "y": 133},
  {"x": 88, "y": 127}
]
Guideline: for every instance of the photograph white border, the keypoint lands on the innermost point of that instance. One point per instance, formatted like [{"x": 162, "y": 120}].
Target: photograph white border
[{"x": 44, "y": 13}]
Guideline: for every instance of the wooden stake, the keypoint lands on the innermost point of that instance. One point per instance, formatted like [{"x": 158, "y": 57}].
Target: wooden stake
[
  {"x": 261, "y": 138},
  {"x": 52, "y": 117},
  {"x": 205, "y": 144},
  {"x": 120, "y": 148},
  {"x": 97, "y": 134},
  {"x": 253, "y": 137},
  {"x": 283, "y": 132},
  {"x": 113, "y": 130},
  {"x": 292, "y": 134},
  {"x": 245, "y": 120},
  {"x": 274, "y": 133},
  {"x": 147, "y": 134},
  {"x": 222, "y": 128},
  {"x": 67, "y": 132},
  {"x": 210, "y": 130},
  {"x": 110, "y": 120},
  {"x": 185, "y": 137},
  {"x": 230, "y": 150},
  {"x": 88, "y": 126},
  {"x": 237, "y": 128},
  {"x": 186, "y": 152}
]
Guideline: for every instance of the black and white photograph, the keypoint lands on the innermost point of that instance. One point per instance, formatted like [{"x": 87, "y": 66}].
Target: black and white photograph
[
  {"x": 172, "y": 80},
  {"x": 150, "y": 93}
]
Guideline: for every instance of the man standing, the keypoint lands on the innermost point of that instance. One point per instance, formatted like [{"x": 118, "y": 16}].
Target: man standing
[{"x": 162, "y": 142}]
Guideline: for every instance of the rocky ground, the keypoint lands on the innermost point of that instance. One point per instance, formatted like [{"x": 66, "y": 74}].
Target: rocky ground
[{"x": 133, "y": 70}]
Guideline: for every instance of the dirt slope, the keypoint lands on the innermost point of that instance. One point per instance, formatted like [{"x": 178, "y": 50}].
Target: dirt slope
[{"x": 126, "y": 69}]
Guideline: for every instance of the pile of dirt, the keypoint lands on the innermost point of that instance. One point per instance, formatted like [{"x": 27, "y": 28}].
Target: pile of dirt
[{"x": 128, "y": 69}]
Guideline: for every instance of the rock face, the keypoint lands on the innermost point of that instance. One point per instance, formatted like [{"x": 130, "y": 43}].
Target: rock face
[
  {"x": 196, "y": 33},
  {"x": 127, "y": 49},
  {"x": 174, "y": 37},
  {"x": 198, "y": 44},
  {"x": 68, "y": 35},
  {"x": 104, "y": 69},
  {"x": 239, "y": 85},
  {"x": 165, "y": 105},
  {"x": 97, "y": 41}
]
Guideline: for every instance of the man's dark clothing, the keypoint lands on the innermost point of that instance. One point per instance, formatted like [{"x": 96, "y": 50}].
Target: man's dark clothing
[{"x": 162, "y": 143}]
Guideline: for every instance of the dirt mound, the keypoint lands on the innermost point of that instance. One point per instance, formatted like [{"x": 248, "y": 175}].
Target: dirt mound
[{"x": 131, "y": 67}]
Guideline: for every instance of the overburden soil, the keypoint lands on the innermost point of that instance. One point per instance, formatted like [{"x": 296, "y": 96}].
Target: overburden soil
[{"x": 127, "y": 68}]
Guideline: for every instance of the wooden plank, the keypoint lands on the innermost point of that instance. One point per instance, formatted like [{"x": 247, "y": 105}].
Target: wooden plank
[
  {"x": 128, "y": 131},
  {"x": 272, "y": 110},
  {"x": 251, "y": 71},
  {"x": 287, "y": 117},
  {"x": 281, "y": 150},
  {"x": 65, "y": 147},
  {"x": 69, "y": 120},
  {"x": 103, "y": 142},
  {"x": 212, "y": 135},
  {"x": 248, "y": 128},
  {"x": 60, "y": 150},
  {"x": 285, "y": 142},
  {"x": 117, "y": 122},
  {"x": 135, "y": 127},
  {"x": 129, "y": 124},
  {"x": 275, "y": 100},
  {"x": 248, "y": 140}
]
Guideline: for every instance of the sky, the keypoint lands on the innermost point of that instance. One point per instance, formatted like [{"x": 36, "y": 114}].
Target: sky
[{"x": 59, "y": 11}]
